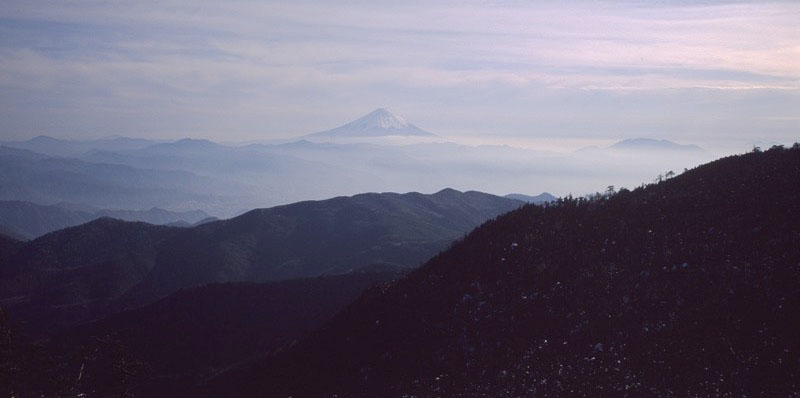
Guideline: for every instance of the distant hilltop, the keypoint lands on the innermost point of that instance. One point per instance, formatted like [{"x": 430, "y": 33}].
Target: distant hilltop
[
  {"x": 378, "y": 123},
  {"x": 646, "y": 144},
  {"x": 652, "y": 144}
]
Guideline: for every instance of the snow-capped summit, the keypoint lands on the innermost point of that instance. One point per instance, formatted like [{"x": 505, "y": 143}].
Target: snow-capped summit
[
  {"x": 378, "y": 123},
  {"x": 382, "y": 118}
]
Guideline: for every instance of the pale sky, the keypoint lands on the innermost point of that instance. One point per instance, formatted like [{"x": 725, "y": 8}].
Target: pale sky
[{"x": 716, "y": 74}]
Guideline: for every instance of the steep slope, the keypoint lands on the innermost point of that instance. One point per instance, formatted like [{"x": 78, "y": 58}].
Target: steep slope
[
  {"x": 319, "y": 237},
  {"x": 71, "y": 275},
  {"x": 187, "y": 335},
  {"x": 683, "y": 288}
]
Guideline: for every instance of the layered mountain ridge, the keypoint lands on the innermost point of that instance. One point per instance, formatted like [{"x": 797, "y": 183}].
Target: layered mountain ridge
[
  {"x": 84, "y": 272},
  {"x": 681, "y": 288}
]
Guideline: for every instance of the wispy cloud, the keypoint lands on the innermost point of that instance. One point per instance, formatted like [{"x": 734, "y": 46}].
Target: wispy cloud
[{"x": 261, "y": 69}]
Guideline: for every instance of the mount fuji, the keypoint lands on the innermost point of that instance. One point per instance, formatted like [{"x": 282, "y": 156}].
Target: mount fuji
[{"x": 378, "y": 123}]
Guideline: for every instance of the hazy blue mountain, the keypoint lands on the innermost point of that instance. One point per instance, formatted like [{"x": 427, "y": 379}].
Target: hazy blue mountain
[
  {"x": 540, "y": 198},
  {"x": 186, "y": 145},
  {"x": 256, "y": 178},
  {"x": 32, "y": 220},
  {"x": 205, "y": 221},
  {"x": 78, "y": 207},
  {"x": 492, "y": 168},
  {"x": 184, "y": 224},
  {"x": 689, "y": 285},
  {"x": 313, "y": 238},
  {"x": 74, "y": 148},
  {"x": 378, "y": 123},
  {"x": 207, "y": 158},
  {"x": 155, "y": 215},
  {"x": 38, "y": 178},
  {"x": 649, "y": 144},
  {"x": 179, "y": 224},
  {"x": 224, "y": 179}
]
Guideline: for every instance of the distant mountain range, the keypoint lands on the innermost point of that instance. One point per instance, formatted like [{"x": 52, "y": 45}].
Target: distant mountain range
[
  {"x": 663, "y": 290},
  {"x": 648, "y": 145},
  {"x": 687, "y": 287},
  {"x": 80, "y": 273},
  {"x": 226, "y": 180},
  {"x": 651, "y": 144},
  {"x": 540, "y": 198},
  {"x": 313, "y": 238},
  {"x": 33, "y": 177},
  {"x": 31, "y": 220},
  {"x": 75, "y": 148},
  {"x": 378, "y": 123}
]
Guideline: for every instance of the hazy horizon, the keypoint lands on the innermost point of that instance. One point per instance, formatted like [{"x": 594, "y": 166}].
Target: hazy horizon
[{"x": 722, "y": 75}]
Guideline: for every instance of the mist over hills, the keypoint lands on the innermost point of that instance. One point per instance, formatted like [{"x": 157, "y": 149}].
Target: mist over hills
[
  {"x": 76, "y": 148},
  {"x": 37, "y": 178},
  {"x": 685, "y": 287},
  {"x": 31, "y": 220},
  {"x": 543, "y": 197},
  {"x": 644, "y": 145},
  {"x": 365, "y": 155},
  {"x": 653, "y": 145}
]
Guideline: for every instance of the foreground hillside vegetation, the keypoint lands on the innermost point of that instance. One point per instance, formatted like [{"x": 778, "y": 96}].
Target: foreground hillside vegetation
[{"x": 687, "y": 287}]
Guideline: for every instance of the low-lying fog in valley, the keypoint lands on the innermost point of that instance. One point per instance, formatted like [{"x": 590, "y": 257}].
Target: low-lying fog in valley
[{"x": 226, "y": 179}]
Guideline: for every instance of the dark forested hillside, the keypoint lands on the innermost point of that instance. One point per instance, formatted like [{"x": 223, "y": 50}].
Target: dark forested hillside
[
  {"x": 688, "y": 287},
  {"x": 68, "y": 276},
  {"x": 189, "y": 334},
  {"x": 313, "y": 238},
  {"x": 8, "y": 244},
  {"x": 80, "y": 273}
]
